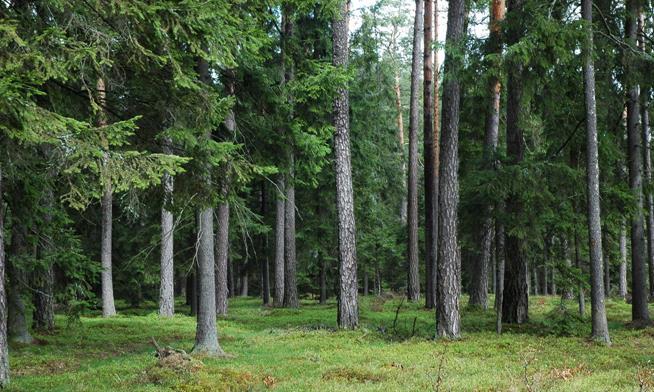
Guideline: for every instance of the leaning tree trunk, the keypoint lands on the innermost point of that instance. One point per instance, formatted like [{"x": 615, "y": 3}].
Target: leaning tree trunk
[
  {"x": 278, "y": 299},
  {"x": 348, "y": 308},
  {"x": 4, "y": 348},
  {"x": 515, "y": 308},
  {"x": 167, "y": 273},
  {"x": 622, "y": 288},
  {"x": 639, "y": 311},
  {"x": 108, "y": 307},
  {"x": 431, "y": 195},
  {"x": 413, "y": 278},
  {"x": 479, "y": 291},
  {"x": 222, "y": 257},
  {"x": 600, "y": 328},
  {"x": 449, "y": 266}
]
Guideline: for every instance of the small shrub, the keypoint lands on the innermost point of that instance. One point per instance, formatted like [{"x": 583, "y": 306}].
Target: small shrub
[{"x": 563, "y": 322}]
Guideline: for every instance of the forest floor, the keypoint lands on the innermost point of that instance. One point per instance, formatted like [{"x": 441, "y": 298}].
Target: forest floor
[{"x": 300, "y": 350}]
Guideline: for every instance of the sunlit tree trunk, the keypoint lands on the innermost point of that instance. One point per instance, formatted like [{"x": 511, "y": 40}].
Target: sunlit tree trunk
[{"x": 348, "y": 309}]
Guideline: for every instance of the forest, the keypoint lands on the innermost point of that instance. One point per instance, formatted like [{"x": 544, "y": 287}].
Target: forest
[{"x": 329, "y": 195}]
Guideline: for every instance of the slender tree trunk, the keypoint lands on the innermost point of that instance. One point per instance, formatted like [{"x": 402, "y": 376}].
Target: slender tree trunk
[
  {"x": 290, "y": 266},
  {"x": 222, "y": 257},
  {"x": 567, "y": 293},
  {"x": 400, "y": 137},
  {"x": 478, "y": 295},
  {"x": 17, "y": 329},
  {"x": 499, "y": 285},
  {"x": 108, "y": 307},
  {"x": 600, "y": 330},
  {"x": 623, "y": 261},
  {"x": 431, "y": 195},
  {"x": 607, "y": 263},
  {"x": 647, "y": 160},
  {"x": 580, "y": 296},
  {"x": 413, "y": 279},
  {"x": 245, "y": 286},
  {"x": 278, "y": 299},
  {"x": 365, "y": 283},
  {"x": 231, "y": 284},
  {"x": 263, "y": 249},
  {"x": 449, "y": 265},
  {"x": 516, "y": 296},
  {"x": 4, "y": 347},
  {"x": 639, "y": 311},
  {"x": 323, "y": 281},
  {"x": 43, "y": 317},
  {"x": 348, "y": 308},
  {"x": 166, "y": 287}
]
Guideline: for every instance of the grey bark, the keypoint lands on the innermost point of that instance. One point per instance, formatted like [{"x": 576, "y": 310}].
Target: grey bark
[
  {"x": 430, "y": 166},
  {"x": 449, "y": 258},
  {"x": 516, "y": 296},
  {"x": 245, "y": 285},
  {"x": 580, "y": 291},
  {"x": 290, "y": 260},
  {"x": 221, "y": 258},
  {"x": 639, "y": 311},
  {"x": 43, "y": 317},
  {"x": 167, "y": 272},
  {"x": 623, "y": 262},
  {"x": 17, "y": 329},
  {"x": 108, "y": 307},
  {"x": 365, "y": 283},
  {"x": 499, "y": 284},
  {"x": 567, "y": 292},
  {"x": 600, "y": 328},
  {"x": 348, "y": 307},
  {"x": 278, "y": 299},
  {"x": 323, "y": 281},
  {"x": 413, "y": 279},
  {"x": 607, "y": 264},
  {"x": 4, "y": 347},
  {"x": 263, "y": 249}
]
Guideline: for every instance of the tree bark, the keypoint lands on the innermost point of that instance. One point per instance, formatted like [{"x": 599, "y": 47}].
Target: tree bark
[
  {"x": 413, "y": 279},
  {"x": 4, "y": 347},
  {"x": 43, "y": 317},
  {"x": 400, "y": 137},
  {"x": 580, "y": 295},
  {"x": 623, "y": 261},
  {"x": 278, "y": 299},
  {"x": 499, "y": 284},
  {"x": 348, "y": 308},
  {"x": 516, "y": 297},
  {"x": 222, "y": 257},
  {"x": 607, "y": 263},
  {"x": 323, "y": 281},
  {"x": 290, "y": 266},
  {"x": 639, "y": 311},
  {"x": 479, "y": 292},
  {"x": 108, "y": 307},
  {"x": 600, "y": 328},
  {"x": 263, "y": 249},
  {"x": 449, "y": 264},
  {"x": 166, "y": 288},
  {"x": 17, "y": 329}
]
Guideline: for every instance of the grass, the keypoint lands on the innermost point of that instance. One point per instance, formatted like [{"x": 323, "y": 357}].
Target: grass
[{"x": 300, "y": 350}]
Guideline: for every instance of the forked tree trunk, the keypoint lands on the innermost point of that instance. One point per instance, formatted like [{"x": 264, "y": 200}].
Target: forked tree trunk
[
  {"x": 167, "y": 273},
  {"x": 600, "y": 328},
  {"x": 4, "y": 347},
  {"x": 639, "y": 311},
  {"x": 449, "y": 258},
  {"x": 431, "y": 195},
  {"x": 278, "y": 299},
  {"x": 413, "y": 279},
  {"x": 516, "y": 297},
  {"x": 348, "y": 308}
]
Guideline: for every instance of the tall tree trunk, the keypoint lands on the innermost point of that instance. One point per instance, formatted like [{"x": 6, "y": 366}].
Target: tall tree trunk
[
  {"x": 449, "y": 267},
  {"x": 43, "y": 317},
  {"x": 400, "y": 137},
  {"x": 206, "y": 333},
  {"x": 413, "y": 278},
  {"x": 348, "y": 308},
  {"x": 365, "y": 283},
  {"x": 323, "y": 281},
  {"x": 263, "y": 249},
  {"x": 245, "y": 286},
  {"x": 290, "y": 266},
  {"x": 499, "y": 285},
  {"x": 647, "y": 160},
  {"x": 431, "y": 195},
  {"x": 567, "y": 291},
  {"x": 278, "y": 299},
  {"x": 17, "y": 329},
  {"x": 4, "y": 347},
  {"x": 479, "y": 292},
  {"x": 222, "y": 257},
  {"x": 600, "y": 330},
  {"x": 607, "y": 263},
  {"x": 639, "y": 311},
  {"x": 580, "y": 295},
  {"x": 516, "y": 296},
  {"x": 623, "y": 261},
  {"x": 108, "y": 307},
  {"x": 166, "y": 287}
]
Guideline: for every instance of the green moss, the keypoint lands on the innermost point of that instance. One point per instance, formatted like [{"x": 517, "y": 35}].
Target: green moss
[{"x": 291, "y": 350}]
